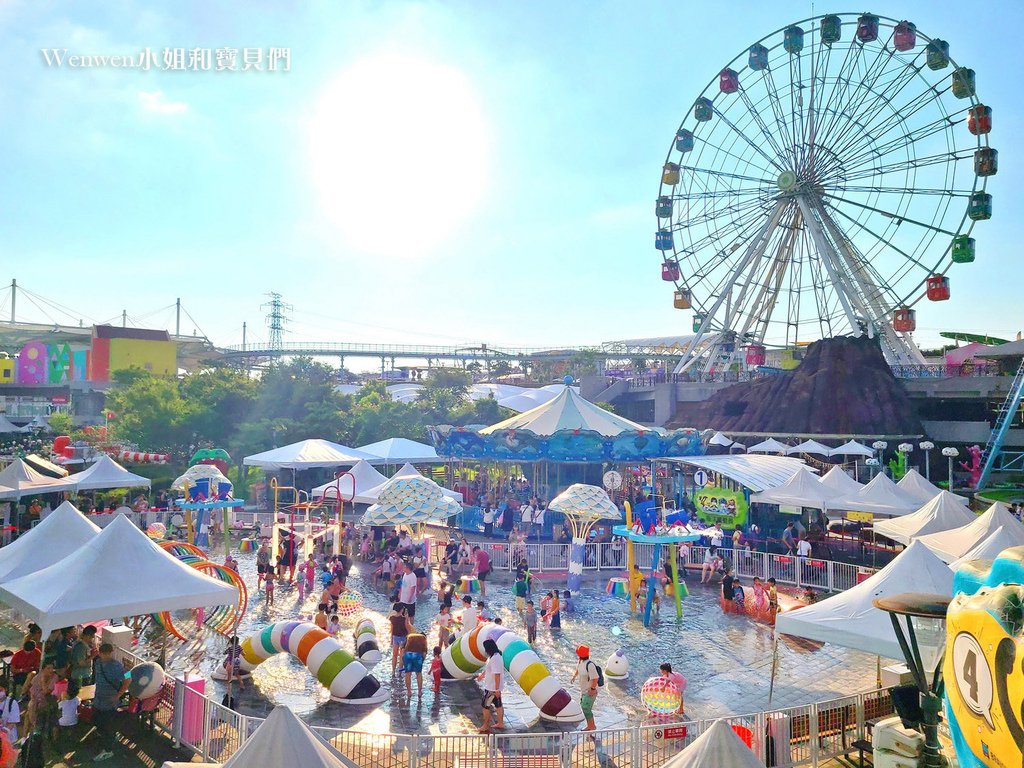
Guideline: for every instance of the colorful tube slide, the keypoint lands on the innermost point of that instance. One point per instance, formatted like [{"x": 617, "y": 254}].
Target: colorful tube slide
[
  {"x": 465, "y": 658},
  {"x": 335, "y": 668},
  {"x": 365, "y": 636}
]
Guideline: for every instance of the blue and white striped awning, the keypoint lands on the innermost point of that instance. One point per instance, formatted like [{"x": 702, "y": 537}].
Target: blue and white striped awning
[{"x": 758, "y": 473}]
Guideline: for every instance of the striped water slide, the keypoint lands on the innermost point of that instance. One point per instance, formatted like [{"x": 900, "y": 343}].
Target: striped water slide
[
  {"x": 466, "y": 657},
  {"x": 337, "y": 670},
  {"x": 365, "y": 636}
]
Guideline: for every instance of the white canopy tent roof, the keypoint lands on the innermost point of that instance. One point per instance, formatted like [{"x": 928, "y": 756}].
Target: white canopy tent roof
[
  {"x": 119, "y": 572},
  {"x": 568, "y": 411},
  {"x": 771, "y": 445},
  {"x": 754, "y": 472},
  {"x": 801, "y": 490},
  {"x": 914, "y": 485},
  {"x": 720, "y": 439},
  {"x": 851, "y": 448},
  {"x": 880, "y": 497},
  {"x": 840, "y": 482},
  {"x": 365, "y": 477},
  {"x": 988, "y": 549},
  {"x": 944, "y": 512},
  {"x": 107, "y": 473},
  {"x": 7, "y": 426},
  {"x": 953, "y": 544},
  {"x": 23, "y": 480},
  {"x": 282, "y": 740},
  {"x": 410, "y": 501},
  {"x": 371, "y": 495},
  {"x": 307, "y": 454},
  {"x": 850, "y": 620},
  {"x": 399, "y": 450},
  {"x": 59, "y": 534},
  {"x": 718, "y": 747},
  {"x": 810, "y": 446}
]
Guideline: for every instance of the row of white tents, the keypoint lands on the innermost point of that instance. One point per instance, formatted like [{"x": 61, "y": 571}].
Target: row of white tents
[
  {"x": 836, "y": 491},
  {"x": 771, "y": 445},
  {"x": 19, "y": 479}
]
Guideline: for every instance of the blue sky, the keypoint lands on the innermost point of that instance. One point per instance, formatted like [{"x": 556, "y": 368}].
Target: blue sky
[{"x": 523, "y": 214}]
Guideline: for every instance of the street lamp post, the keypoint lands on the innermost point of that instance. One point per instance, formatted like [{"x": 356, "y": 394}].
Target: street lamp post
[
  {"x": 926, "y": 446},
  {"x": 913, "y": 605},
  {"x": 880, "y": 446},
  {"x": 950, "y": 454}
]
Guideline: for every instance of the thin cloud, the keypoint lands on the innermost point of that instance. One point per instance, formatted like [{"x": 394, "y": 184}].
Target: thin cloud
[{"x": 157, "y": 103}]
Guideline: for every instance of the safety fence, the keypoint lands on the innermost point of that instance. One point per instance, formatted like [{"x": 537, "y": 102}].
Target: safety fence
[
  {"x": 793, "y": 736},
  {"x": 823, "y": 575}
]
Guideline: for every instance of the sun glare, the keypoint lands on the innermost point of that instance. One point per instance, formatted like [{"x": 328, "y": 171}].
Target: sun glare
[{"x": 398, "y": 147}]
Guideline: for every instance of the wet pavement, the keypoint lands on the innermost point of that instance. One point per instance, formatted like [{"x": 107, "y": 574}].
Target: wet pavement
[{"x": 726, "y": 658}]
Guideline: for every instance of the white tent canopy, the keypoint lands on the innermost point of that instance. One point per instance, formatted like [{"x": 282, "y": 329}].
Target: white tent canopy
[
  {"x": 61, "y": 533},
  {"x": 850, "y": 620},
  {"x": 119, "y": 572},
  {"x": 988, "y": 549},
  {"x": 914, "y": 485},
  {"x": 880, "y": 497},
  {"x": 754, "y": 472},
  {"x": 942, "y": 513},
  {"x": 771, "y": 445},
  {"x": 801, "y": 490},
  {"x": 567, "y": 411},
  {"x": 307, "y": 454},
  {"x": 851, "y": 448},
  {"x": 23, "y": 480},
  {"x": 365, "y": 477},
  {"x": 283, "y": 740},
  {"x": 953, "y": 544},
  {"x": 720, "y": 439},
  {"x": 840, "y": 482},
  {"x": 107, "y": 473},
  {"x": 718, "y": 747},
  {"x": 810, "y": 446},
  {"x": 400, "y": 450},
  {"x": 7, "y": 426}
]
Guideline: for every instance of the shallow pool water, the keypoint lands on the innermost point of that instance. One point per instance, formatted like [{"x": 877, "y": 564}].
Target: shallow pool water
[{"x": 727, "y": 660}]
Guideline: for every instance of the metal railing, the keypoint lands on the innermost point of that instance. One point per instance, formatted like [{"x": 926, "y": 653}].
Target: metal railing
[
  {"x": 825, "y": 575},
  {"x": 795, "y": 736}
]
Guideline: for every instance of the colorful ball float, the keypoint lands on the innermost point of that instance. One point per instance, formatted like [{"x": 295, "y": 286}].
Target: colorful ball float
[{"x": 660, "y": 696}]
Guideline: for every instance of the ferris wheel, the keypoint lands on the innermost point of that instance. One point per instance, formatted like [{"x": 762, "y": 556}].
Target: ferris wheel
[{"x": 823, "y": 184}]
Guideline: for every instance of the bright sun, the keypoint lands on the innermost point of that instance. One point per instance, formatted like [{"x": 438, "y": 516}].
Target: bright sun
[{"x": 399, "y": 152}]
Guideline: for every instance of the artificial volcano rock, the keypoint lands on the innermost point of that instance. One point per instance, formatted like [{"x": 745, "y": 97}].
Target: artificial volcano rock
[{"x": 843, "y": 386}]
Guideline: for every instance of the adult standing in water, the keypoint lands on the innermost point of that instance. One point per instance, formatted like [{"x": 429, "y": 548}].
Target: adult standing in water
[
  {"x": 589, "y": 677},
  {"x": 493, "y": 679}
]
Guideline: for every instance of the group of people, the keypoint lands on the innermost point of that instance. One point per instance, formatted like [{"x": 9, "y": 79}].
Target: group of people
[{"x": 47, "y": 678}]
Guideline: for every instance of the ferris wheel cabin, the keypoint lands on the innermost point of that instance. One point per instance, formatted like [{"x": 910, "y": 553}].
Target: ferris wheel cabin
[
  {"x": 698, "y": 321},
  {"x": 663, "y": 240},
  {"x": 684, "y": 140},
  {"x": 963, "y": 249},
  {"x": 793, "y": 40},
  {"x": 867, "y": 28},
  {"x": 986, "y": 161},
  {"x": 904, "y": 320},
  {"x": 670, "y": 271},
  {"x": 904, "y": 37},
  {"x": 980, "y": 207},
  {"x": 758, "y": 58},
  {"x": 670, "y": 174},
  {"x": 937, "y": 54},
  {"x": 963, "y": 83},
  {"x": 663, "y": 207},
  {"x": 831, "y": 29},
  {"x": 755, "y": 354},
  {"x": 703, "y": 110},
  {"x": 937, "y": 288},
  {"x": 682, "y": 299},
  {"x": 728, "y": 81},
  {"x": 979, "y": 119}
]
